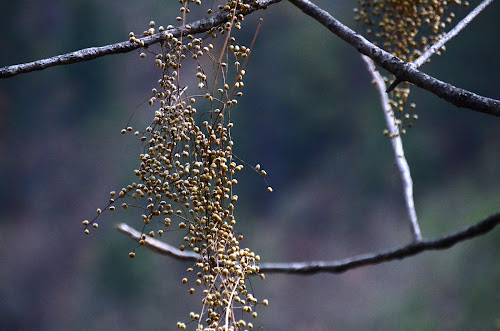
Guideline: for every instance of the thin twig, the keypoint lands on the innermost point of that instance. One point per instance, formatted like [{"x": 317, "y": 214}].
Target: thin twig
[
  {"x": 339, "y": 266},
  {"x": 229, "y": 306},
  {"x": 451, "y": 34},
  {"x": 397, "y": 147},
  {"x": 447, "y": 37},
  {"x": 156, "y": 245},
  {"x": 92, "y": 53},
  {"x": 402, "y": 70}
]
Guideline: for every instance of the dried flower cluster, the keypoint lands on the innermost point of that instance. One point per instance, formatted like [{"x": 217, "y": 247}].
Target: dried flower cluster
[
  {"x": 186, "y": 175},
  {"x": 406, "y": 29}
]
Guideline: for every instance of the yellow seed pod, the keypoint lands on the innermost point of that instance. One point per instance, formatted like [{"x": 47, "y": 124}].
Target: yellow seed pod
[
  {"x": 270, "y": 189},
  {"x": 85, "y": 222},
  {"x": 86, "y": 231},
  {"x": 131, "y": 255}
]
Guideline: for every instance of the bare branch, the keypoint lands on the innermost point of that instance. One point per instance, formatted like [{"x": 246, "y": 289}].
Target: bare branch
[
  {"x": 92, "y": 53},
  {"x": 86, "y": 54},
  {"x": 156, "y": 245},
  {"x": 402, "y": 70},
  {"x": 397, "y": 147},
  {"x": 452, "y": 33},
  {"x": 440, "y": 43},
  {"x": 339, "y": 266},
  {"x": 397, "y": 253}
]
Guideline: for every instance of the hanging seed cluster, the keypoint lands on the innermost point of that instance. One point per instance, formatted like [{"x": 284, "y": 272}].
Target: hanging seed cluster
[
  {"x": 406, "y": 29},
  {"x": 187, "y": 171}
]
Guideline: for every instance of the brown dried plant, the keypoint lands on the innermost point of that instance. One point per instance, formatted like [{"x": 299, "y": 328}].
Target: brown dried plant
[{"x": 187, "y": 172}]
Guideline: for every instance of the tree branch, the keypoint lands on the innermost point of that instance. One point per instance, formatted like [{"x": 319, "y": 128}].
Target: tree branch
[
  {"x": 397, "y": 147},
  {"x": 92, "y": 53},
  {"x": 337, "y": 266},
  {"x": 402, "y": 70},
  {"x": 452, "y": 33},
  {"x": 156, "y": 245},
  {"x": 447, "y": 37}
]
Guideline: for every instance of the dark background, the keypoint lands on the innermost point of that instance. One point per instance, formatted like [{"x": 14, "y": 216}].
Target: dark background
[{"x": 309, "y": 116}]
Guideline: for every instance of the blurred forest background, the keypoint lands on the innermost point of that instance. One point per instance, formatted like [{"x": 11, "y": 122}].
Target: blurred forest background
[{"x": 309, "y": 116}]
